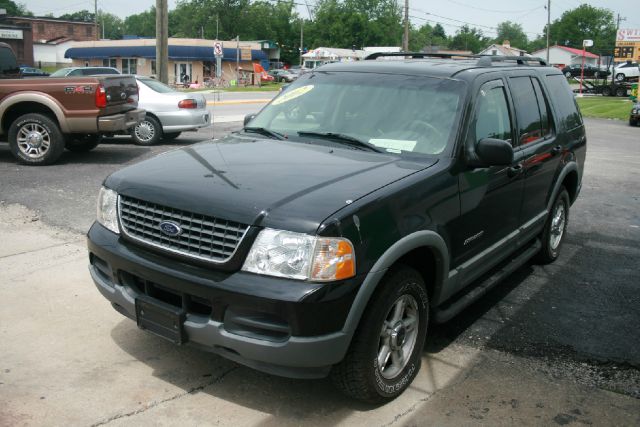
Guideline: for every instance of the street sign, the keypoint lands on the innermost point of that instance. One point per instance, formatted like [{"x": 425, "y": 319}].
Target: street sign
[
  {"x": 217, "y": 49},
  {"x": 587, "y": 43},
  {"x": 627, "y": 45}
]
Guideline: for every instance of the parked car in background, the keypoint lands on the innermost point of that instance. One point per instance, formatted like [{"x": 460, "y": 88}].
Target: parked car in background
[
  {"x": 575, "y": 70},
  {"x": 634, "y": 117},
  {"x": 84, "y": 71},
  {"x": 626, "y": 71},
  {"x": 169, "y": 112},
  {"x": 32, "y": 72},
  {"x": 283, "y": 75}
]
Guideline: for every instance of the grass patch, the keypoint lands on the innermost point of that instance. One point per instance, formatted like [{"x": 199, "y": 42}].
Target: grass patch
[{"x": 605, "y": 107}]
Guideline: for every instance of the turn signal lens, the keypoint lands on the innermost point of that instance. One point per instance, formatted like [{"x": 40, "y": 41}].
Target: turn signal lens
[
  {"x": 188, "y": 103},
  {"x": 333, "y": 259},
  {"x": 101, "y": 97}
]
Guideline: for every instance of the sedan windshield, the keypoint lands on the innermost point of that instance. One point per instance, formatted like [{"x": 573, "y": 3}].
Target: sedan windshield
[{"x": 391, "y": 113}]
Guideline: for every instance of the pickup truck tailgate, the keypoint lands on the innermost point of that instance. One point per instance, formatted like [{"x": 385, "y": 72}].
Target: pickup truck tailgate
[{"x": 121, "y": 89}]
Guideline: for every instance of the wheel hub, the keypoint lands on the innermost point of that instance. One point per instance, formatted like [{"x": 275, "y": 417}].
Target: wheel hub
[
  {"x": 144, "y": 131},
  {"x": 34, "y": 139},
  {"x": 398, "y": 336}
]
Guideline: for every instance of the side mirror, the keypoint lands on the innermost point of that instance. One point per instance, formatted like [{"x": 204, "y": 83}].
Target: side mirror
[
  {"x": 494, "y": 152},
  {"x": 248, "y": 118}
]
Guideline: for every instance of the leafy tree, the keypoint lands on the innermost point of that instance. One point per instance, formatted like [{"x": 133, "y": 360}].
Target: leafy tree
[
  {"x": 582, "y": 23},
  {"x": 426, "y": 36},
  {"x": 14, "y": 9},
  {"x": 514, "y": 33},
  {"x": 438, "y": 31},
  {"x": 112, "y": 26},
  {"x": 467, "y": 38},
  {"x": 82, "y": 15},
  {"x": 142, "y": 24}
]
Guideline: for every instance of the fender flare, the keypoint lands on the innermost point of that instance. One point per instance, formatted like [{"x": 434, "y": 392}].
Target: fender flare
[
  {"x": 419, "y": 239},
  {"x": 39, "y": 98},
  {"x": 568, "y": 168}
]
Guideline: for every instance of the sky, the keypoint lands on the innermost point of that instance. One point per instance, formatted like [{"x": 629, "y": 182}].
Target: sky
[{"x": 485, "y": 15}]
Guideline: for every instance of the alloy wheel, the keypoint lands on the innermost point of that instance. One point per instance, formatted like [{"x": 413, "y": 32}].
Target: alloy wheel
[
  {"x": 33, "y": 140},
  {"x": 398, "y": 336}
]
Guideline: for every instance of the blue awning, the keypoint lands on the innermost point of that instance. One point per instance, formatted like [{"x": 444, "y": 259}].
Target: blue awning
[{"x": 176, "y": 53}]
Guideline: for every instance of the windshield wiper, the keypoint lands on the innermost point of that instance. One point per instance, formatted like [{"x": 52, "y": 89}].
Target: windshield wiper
[
  {"x": 265, "y": 132},
  {"x": 343, "y": 138}
]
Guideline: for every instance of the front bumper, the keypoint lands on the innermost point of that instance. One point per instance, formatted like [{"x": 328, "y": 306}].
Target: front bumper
[
  {"x": 120, "y": 122},
  {"x": 283, "y": 327},
  {"x": 184, "y": 119}
]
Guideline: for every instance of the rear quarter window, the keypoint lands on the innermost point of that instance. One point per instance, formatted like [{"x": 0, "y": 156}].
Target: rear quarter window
[{"x": 564, "y": 101}]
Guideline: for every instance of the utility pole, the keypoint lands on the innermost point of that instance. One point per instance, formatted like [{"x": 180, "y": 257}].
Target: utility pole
[
  {"x": 548, "y": 27},
  {"x": 405, "y": 39},
  {"x": 95, "y": 19},
  {"x": 618, "y": 20},
  {"x": 237, "y": 60},
  {"x": 217, "y": 27},
  {"x": 301, "y": 39},
  {"x": 162, "y": 41}
]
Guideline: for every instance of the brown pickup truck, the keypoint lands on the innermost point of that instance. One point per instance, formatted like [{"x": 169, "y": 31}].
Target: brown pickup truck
[{"x": 40, "y": 117}]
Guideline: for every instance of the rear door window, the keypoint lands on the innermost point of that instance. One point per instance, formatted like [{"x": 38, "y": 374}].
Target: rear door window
[
  {"x": 543, "y": 107},
  {"x": 524, "y": 98}
]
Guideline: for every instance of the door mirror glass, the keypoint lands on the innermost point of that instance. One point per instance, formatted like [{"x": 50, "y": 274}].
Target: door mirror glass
[{"x": 494, "y": 152}]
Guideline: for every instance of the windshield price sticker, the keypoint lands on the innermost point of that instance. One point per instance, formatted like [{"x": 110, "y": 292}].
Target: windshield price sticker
[
  {"x": 289, "y": 95},
  {"x": 394, "y": 145}
]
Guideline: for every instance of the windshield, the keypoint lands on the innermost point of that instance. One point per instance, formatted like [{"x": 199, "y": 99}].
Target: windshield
[
  {"x": 395, "y": 113},
  {"x": 60, "y": 73},
  {"x": 156, "y": 86}
]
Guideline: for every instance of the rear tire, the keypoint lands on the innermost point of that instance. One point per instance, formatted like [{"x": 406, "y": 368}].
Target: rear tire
[
  {"x": 633, "y": 122},
  {"x": 621, "y": 92},
  {"x": 35, "y": 140},
  {"x": 620, "y": 77},
  {"x": 147, "y": 132},
  {"x": 82, "y": 143},
  {"x": 606, "y": 91},
  {"x": 385, "y": 353},
  {"x": 555, "y": 229},
  {"x": 170, "y": 136}
]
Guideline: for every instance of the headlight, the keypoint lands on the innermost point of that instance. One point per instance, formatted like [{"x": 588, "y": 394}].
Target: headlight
[
  {"x": 301, "y": 256},
  {"x": 107, "y": 212}
]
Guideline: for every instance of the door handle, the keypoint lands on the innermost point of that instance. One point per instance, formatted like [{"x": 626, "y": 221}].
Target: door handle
[
  {"x": 514, "y": 170},
  {"x": 556, "y": 150}
]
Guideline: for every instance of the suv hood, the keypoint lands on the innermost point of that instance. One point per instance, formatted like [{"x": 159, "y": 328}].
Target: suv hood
[{"x": 278, "y": 184}]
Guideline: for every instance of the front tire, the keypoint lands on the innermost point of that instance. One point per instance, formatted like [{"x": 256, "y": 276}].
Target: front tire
[
  {"x": 35, "y": 140},
  {"x": 385, "y": 353},
  {"x": 555, "y": 229},
  {"x": 147, "y": 132}
]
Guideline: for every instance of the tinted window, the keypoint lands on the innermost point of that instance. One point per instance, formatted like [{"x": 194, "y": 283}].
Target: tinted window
[
  {"x": 543, "y": 107},
  {"x": 7, "y": 61},
  {"x": 527, "y": 112},
  {"x": 565, "y": 102},
  {"x": 492, "y": 114}
]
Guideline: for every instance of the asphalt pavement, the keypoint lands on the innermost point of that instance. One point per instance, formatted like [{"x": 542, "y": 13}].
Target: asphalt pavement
[{"x": 551, "y": 345}]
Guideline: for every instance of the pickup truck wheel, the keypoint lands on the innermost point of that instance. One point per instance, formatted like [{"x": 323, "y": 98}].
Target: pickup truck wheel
[
  {"x": 170, "y": 136},
  {"x": 147, "y": 132},
  {"x": 82, "y": 143},
  {"x": 555, "y": 229},
  {"x": 35, "y": 140},
  {"x": 385, "y": 354}
]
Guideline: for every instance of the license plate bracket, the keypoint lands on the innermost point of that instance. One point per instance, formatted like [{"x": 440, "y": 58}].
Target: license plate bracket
[{"x": 161, "y": 319}]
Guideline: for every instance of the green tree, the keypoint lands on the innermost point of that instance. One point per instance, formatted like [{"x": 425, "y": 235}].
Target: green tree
[
  {"x": 514, "y": 33},
  {"x": 142, "y": 24},
  {"x": 82, "y": 15},
  {"x": 425, "y": 37},
  {"x": 112, "y": 26},
  {"x": 467, "y": 38},
  {"x": 582, "y": 23},
  {"x": 14, "y": 9}
]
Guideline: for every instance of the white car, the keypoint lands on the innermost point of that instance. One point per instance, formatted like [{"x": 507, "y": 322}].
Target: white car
[
  {"x": 169, "y": 112},
  {"x": 626, "y": 71}
]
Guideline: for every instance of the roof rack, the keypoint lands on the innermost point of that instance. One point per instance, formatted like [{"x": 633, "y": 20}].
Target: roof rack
[{"x": 483, "y": 60}]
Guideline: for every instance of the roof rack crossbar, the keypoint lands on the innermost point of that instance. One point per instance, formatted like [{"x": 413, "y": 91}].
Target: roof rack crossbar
[{"x": 483, "y": 60}]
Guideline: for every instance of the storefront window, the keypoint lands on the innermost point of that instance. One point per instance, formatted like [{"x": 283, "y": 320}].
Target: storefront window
[
  {"x": 129, "y": 66},
  {"x": 110, "y": 62}
]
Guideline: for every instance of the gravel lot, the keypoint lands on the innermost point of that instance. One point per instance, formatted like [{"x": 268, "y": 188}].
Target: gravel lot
[{"x": 558, "y": 344}]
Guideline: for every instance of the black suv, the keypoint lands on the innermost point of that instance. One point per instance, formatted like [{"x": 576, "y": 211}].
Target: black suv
[{"x": 365, "y": 201}]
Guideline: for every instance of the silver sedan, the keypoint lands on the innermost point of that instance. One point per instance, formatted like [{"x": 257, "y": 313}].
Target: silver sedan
[{"x": 169, "y": 112}]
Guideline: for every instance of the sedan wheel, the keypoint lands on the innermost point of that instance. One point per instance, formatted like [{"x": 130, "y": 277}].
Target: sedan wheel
[
  {"x": 620, "y": 77},
  {"x": 147, "y": 132}
]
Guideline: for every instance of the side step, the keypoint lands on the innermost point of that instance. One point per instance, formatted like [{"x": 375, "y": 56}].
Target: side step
[{"x": 448, "y": 311}]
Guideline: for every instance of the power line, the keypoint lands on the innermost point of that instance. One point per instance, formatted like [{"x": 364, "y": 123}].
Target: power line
[{"x": 487, "y": 10}]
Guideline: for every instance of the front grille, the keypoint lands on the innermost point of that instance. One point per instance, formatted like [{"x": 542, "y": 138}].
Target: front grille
[{"x": 203, "y": 237}]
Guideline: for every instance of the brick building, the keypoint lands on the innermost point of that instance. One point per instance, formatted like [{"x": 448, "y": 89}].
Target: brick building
[{"x": 47, "y": 29}]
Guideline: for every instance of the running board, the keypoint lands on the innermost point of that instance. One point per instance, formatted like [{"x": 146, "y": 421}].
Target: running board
[{"x": 450, "y": 310}]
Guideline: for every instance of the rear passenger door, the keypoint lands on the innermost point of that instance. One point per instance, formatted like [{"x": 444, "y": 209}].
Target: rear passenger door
[{"x": 536, "y": 146}]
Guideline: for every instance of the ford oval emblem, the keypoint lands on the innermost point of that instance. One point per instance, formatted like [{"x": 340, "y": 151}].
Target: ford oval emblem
[{"x": 170, "y": 228}]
